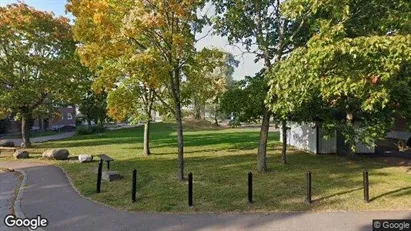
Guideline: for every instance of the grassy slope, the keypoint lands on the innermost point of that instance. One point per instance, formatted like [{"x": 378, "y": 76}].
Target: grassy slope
[{"x": 220, "y": 160}]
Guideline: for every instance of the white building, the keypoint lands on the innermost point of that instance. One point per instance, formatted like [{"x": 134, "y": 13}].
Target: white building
[{"x": 308, "y": 137}]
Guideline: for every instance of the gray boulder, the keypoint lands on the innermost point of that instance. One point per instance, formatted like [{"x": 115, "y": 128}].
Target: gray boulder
[
  {"x": 6, "y": 143},
  {"x": 85, "y": 158},
  {"x": 21, "y": 154},
  {"x": 57, "y": 154}
]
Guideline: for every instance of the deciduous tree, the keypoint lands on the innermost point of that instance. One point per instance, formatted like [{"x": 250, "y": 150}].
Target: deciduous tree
[
  {"x": 94, "y": 106},
  {"x": 246, "y": 99},
  {"x": 37, "y": 61},
  {"x": 261, "y": 28},
  {"x": 207, "y": 78},
  {"x": 115, "y": 31},
  {"x": 356, "y": 64}
]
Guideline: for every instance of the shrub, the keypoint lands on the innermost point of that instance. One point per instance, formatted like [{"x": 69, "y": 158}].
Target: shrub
[
  {"x": 98, "y": 129},
  {"x": 90, "y": 130},
  {"x": 234, "y": 123},
  {"x": 83, "y": 130}
]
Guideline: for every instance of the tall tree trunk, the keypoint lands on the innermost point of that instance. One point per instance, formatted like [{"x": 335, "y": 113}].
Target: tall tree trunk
[
  {"x": 216, "y": 119},
  {"x": 202, "y": 111},
  {"x": 262, "y": 148},
  {"x": 175, "y": 80},
  {"x": 146, "y": 150},
  {"x": 25, "y": 129},
  {"x": 89, "y": 122},
  {"x": 41, "y": 127},
  {"x": 284, "y": 139},
  {"x": 180, "y": 142},
  {"x": 46, "y": 124},
  {"x": 197, "y": 109},
  {"x": 350, "y": 141}
]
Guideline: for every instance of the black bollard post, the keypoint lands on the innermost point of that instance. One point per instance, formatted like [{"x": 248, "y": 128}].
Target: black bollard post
[
  {"x": 190, "y": 189},
  {"x": 100, "y": 166},
  {"x": 134, "y": 186},
  {"x": 308, "y": 199},
  {"x": 250, "y": 187},
  {"x": 366, "y": 186}
]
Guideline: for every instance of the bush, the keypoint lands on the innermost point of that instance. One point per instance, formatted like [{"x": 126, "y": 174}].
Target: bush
[
  {"x": 90, "y": 130},
  {"x": 98, "y": 129},
  {"x": 234, "y": 123},
  {"x": 83, "y": 131}
]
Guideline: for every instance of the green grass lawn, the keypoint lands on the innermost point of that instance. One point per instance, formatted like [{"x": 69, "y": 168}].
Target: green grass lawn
[{"x": 220, "y": 160}]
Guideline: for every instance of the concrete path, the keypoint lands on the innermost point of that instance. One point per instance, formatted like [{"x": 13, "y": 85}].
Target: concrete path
[
  {"x": 8, "y": 183},
  {"x": 49, "y": 194},
  {"x": 42, "y": 139}
]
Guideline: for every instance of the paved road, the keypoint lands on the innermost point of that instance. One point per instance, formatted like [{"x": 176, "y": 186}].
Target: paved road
[
  {"x": 8, "y": 183},
  {"x": 49, "y": 194},
  {"x": 42, "y": 139}
]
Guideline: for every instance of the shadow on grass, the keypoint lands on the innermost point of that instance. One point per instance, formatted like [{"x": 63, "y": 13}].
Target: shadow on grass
[
  {"x": 337, "y": 194},
  {"x": 235, "y": 140},
  {"x": 405, "y": 190},
  {"x": 220, "y": 182}
]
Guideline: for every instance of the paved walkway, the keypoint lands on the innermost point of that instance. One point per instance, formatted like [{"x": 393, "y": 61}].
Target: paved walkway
[
  {"x": 42, "y": 139},
  {"x": 49, "y": 194},
  {"x": 8, "y": 183}
]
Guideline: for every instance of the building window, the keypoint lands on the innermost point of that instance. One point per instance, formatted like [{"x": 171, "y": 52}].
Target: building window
[
  {"x": 69, "y": 116},
  {"x": 62, "y": 116}
]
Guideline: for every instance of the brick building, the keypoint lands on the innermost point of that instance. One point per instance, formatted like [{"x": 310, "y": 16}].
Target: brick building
[{"x": 67, "y": 118}]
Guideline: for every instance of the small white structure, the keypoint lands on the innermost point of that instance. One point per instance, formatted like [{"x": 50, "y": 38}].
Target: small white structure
[
  {"x": 400, "y": 135},
  {"x": 308, "y": 137}
]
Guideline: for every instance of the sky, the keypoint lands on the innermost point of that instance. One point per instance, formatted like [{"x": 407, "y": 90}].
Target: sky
[{"x": 246, "y": 66}]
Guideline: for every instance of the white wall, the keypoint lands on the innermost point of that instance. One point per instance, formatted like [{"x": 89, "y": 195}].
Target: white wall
[
  {"x": 328, "y": 145},
  {"x": 362, "y": 148},
  {"x": 399, "y": 135},
  {"x": 301, "y": 136}
]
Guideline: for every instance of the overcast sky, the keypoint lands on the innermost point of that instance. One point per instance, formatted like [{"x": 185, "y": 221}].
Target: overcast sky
[{"x": 246, "y": 67}]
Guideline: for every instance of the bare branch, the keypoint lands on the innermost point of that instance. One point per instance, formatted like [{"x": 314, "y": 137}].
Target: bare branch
[{"x": 206, "y": 35}]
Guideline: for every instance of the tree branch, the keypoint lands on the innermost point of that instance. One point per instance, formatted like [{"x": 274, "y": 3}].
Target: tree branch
[
  {"x": 164, "y": 102},
  {"x": 40, "y": 101},
  {"x": 203, "y": 37}
]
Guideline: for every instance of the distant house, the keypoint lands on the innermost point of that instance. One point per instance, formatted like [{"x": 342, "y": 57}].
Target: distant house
[
  {"x": 67, "y": 118},
  {"x": 156, "y": 116}
]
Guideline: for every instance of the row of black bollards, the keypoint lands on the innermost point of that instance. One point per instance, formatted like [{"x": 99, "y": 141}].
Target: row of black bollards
[
  {"x": 190, "y": 188},
  {"x": 366, "y": 187},
  {"x": 250, "y": 186}
]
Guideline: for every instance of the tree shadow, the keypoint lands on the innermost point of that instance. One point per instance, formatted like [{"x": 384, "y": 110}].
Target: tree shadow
[
  {"x": 235, "y": 140},
  {"x": 336, "y": 194},
  {"x": 403, "y": 190}
]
